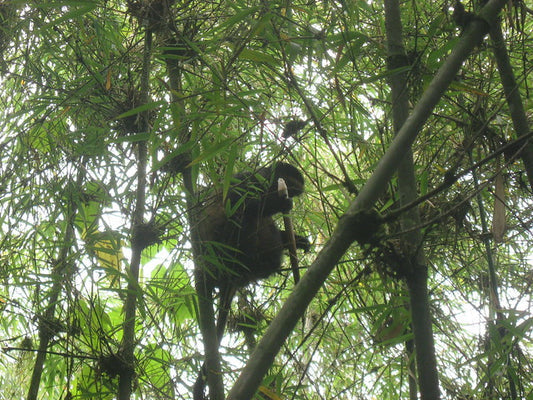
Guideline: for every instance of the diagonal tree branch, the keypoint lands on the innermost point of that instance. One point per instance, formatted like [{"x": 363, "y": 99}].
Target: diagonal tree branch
[{"x": 343, "y": 235}]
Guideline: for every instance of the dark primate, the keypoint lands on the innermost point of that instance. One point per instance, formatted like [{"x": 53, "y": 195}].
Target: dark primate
[{"x": 239, "y": 241}]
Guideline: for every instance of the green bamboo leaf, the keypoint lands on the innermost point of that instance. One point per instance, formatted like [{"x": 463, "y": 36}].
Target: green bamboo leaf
[
  {"x": 145, "y": 107},
  {"x": 212, "y": 151},
  {"x": 257, "y": 56}
]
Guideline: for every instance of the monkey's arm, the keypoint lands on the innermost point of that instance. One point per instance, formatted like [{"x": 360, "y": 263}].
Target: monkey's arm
[{"x": 301, "y": 241}]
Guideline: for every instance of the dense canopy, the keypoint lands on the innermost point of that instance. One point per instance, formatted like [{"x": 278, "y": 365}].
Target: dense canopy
[{"x": 411, "y": 123}]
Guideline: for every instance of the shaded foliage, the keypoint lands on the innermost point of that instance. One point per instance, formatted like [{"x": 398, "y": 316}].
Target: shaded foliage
[{"x": 256, "y": 81}]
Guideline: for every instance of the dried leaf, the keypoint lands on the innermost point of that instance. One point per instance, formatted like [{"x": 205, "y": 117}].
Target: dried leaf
[{"x": 498, "y": 218}]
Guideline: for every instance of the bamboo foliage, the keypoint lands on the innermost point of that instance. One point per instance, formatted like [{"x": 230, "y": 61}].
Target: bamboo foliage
[{"x": 411, "y": 124}]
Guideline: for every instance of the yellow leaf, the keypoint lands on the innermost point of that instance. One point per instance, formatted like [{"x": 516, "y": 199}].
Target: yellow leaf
[
  {"x": 108, "y": 251},
  {"x": 108, "y": 80},
  {"x": 269, "y": 393},
  {"x": 108, "y": 256}
]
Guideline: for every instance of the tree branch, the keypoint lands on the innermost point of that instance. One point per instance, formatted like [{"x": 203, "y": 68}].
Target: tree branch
[{"x": 341, "y": 238}]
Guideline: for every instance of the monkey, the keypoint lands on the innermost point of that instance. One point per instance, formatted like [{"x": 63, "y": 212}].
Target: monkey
[
  {"x": 241, "y": 231},
  {"x": 239, "y": 241}
]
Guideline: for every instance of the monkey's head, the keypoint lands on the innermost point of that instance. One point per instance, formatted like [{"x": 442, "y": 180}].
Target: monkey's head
[
  {"x": 284, "y": 183},
  {"x": 291, "y": 175},
  {"x": 267, "y": 191}
]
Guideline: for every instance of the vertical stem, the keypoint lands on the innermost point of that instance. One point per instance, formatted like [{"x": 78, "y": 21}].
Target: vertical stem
[
  {"x": 60, "y": 274},
  {"x": 412, "y": 243},
  {"x": 206, "y": 318},
  {"x": 128, "y": 340},
  {"x": 411, "y": 368},
  {"x": 496, "y": 316},
  {"x": 289, "y": 229},
  {"x": 512, "y": 95}
]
